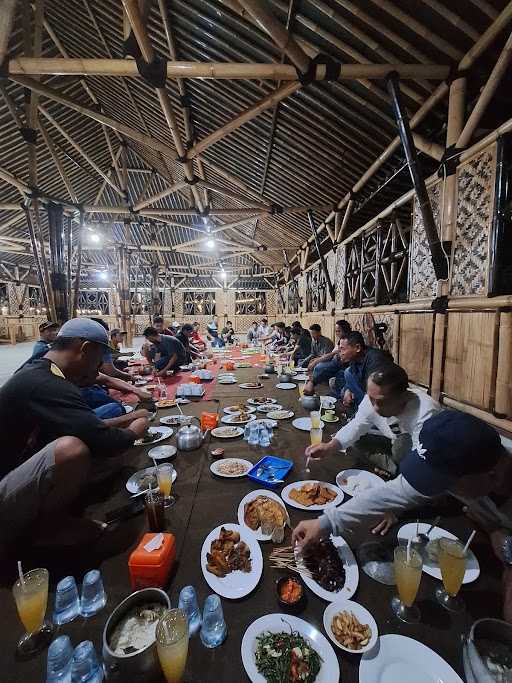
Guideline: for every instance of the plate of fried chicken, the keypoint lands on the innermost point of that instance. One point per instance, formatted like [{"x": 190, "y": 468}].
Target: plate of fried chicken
[
  {"x": 262, "y": 512},
  {"x": 231, "y": 561}
]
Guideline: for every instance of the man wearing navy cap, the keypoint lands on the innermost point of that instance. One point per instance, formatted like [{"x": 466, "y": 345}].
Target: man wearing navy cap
[
  {"x": 455, "y": 453},
  {"x": 52, "y": 441}
]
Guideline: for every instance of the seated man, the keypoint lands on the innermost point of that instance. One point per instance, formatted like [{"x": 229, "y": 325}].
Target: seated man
[
  {"x": 166, "y": 353},
  {"x": 228, "y": 333},
  {"x": 57, "y": 442},
  {"x": 264, "y": 330},
  {"x": 107, "y": 367},
  {"x": 117, "y": 337},
  {"x": 159, "y": 325},
  {"x": 329, "y": 365},
  {"x": 47, "y": 333},
  {"x": 302, "y": 343},
  {"x": 185, "y": 337},
  {"x": 391, "y": 406},
  {"x": 196, "y": 340},
  {"x": 455, "y": 454},
  {"x": 362, "y": 361},
  {"x": 212, "y": 333},
  {"x": 106, "y": 407},
  {"x": 252, "y": 333},
  {"x": 320, "y": 345},
  {"x": 278, "y": 339}
]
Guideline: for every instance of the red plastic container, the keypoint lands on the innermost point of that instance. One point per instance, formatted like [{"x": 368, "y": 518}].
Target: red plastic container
[{"x": 152, "y": 569}]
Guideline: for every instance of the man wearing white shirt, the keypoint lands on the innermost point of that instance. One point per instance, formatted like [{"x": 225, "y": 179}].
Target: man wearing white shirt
[
  {"x": 397, "y": 411},
  {"x": 264, "y": 330}
]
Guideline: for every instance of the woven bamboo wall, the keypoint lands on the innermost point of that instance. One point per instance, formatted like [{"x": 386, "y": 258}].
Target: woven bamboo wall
[{"x": 416, "y": 332}]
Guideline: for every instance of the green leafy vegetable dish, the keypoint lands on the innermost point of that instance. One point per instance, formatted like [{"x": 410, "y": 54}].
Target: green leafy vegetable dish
[{"x": 286, "y": 658}]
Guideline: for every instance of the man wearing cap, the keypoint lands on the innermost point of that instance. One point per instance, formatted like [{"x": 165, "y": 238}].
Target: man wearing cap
[
  {"x": 52, "y": 442},
  {"x": 455, "y": 453},
  {"x": 47, "y": 334}
]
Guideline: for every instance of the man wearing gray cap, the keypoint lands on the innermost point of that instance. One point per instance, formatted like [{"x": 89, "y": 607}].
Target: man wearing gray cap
[{"x": 52, "y": 441}]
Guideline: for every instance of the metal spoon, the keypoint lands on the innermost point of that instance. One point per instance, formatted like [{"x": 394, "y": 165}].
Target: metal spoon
[{"x": 423, "y": 539}]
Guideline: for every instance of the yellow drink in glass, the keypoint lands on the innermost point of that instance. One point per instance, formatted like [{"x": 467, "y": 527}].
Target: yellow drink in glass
[
  {"x": 31, "y": 597},
  {"x": 291, "y": 363},
  {"x": 172, "y": 644},
  {"x": 164, "y": 475},
  {"x": 315, "y": 419},
  {"x": 301, "y": 389},
  {"x": 316, "y": 436},
  {"x": 452, "y": 563},
  {"x": 408, "y": 577}
]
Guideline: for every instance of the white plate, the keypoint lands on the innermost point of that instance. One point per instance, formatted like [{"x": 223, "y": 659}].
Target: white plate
[
  {"x": 265, "y": 421},
  {"x": 368, "y": 479},
  {"x": 254, "y": 401},
  {"x": 173, "y": 420},
  {"x": 432, "y": 568},
  {"x": 304, "y": 424},
  {"x": 227, "y": 381},
  {"x": 214, "y": 467},
  {"x": 234, "y": 410},
  {"x": 351, "y": 574},
  {"x": 268, "y": 408},
  {"x": 275, "y": 623},
  {"x": 217, "y": 432},
  {"x": 162, "y": 452},
  {"x": 128, "y": 409},
  {"x": 165, "y": 433},
  {"x": 141, "y": 382},
  {"x": 280, "y": 414},
  {"x": 249, "y": 385},
  {"x": 247, "y": 499},
  {"x": 285, "y": 495},
  {"x": 360, "y": 613},
  {"x": 231, "y": 419},
  {"x": 132, "y": 485},
  {"x": 237, "y": 584},
  {"x": 398, "y": 658},
  {"x": 328, "y": 401},
  {"x": 286, "y": 385}
]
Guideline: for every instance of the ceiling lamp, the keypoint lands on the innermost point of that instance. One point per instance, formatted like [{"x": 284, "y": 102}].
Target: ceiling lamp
[{"x": 210, "y": 243}]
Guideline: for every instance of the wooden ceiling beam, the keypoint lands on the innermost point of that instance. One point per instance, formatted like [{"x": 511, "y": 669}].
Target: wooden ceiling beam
[
  {"x": 7, "y": 14},
  {"x": 57, "y": 66},
  {"x": 132, "y": 10},
  {"x": 160, "y": 195}
]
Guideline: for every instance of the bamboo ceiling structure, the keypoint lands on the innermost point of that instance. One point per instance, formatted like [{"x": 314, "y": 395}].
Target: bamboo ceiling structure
[{"x": 236, "y": 119}]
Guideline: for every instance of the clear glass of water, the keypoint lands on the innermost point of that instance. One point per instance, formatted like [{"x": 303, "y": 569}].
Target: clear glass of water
[
  {"x": 67, "y": 602},
  {"x": 188, "y": 603},
  {"x": 93, "y": 594},
  {"x": 213, "y": 629}
]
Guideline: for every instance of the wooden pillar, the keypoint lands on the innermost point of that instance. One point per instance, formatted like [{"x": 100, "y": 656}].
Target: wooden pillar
[
  {"x": 456, "y": 116},
  {"x": 436, "y": 383},
  {"x": 58, "y": 273},
  {"x": 156, "y": 307},
  {"x": 123, "y": 265},
  {"x": 396, "y": 337},
  {"x": 503, "y": 401},
  {"x": 76, "y": 288}
]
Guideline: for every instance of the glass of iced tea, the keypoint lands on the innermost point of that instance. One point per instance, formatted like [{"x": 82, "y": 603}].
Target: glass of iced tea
[
  {"x": 301, "y": 389},
  {"x": 408, "y": 567},
  {"x": 164, "y": 474},
  {"x": 452, "y": 563},
  {"x": 172, "y": 644},
  {"x": 31, "y": 596},
  {"x": 316, "y": 436}
]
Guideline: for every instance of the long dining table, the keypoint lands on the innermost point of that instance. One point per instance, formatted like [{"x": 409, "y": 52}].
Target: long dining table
[{"x": 205, "y": 501}]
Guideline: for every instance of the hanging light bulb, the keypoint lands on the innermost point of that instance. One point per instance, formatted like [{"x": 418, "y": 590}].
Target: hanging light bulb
[
  {"x": 95, "y": 237},
  {"x": 103, "y": 275},
  {"x": 210, "y": 243}
]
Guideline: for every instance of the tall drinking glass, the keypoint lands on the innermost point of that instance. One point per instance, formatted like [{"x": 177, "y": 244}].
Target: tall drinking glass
[
  {"x": 452, "y": 562},
  {"x": 164, "y": 475},
  {"x": 408, "y": 576},
  {"x": 172, "y": 644},
  {"x": 31, "y": 597},
  {"x": 316, "y": 436},
  {"x": 301, "y": 389},
  {"x": 291, "y": 363},
  {"x": 315, "y": 419}
]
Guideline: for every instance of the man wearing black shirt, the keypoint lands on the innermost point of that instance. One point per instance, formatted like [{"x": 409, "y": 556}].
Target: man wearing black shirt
[
  {"x": 362, "y": 360},
  {"x": 167, "y": 353},
  {"x": 185, "y": 336},
  {"x": 51, "y": 438}
]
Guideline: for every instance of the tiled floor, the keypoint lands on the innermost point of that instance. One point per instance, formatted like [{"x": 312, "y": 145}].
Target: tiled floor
[{"x": 11, "y": 357}]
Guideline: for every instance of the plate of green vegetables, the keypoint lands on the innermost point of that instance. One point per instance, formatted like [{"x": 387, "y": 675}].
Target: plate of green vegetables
[{"x": 281, "y": 648}]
